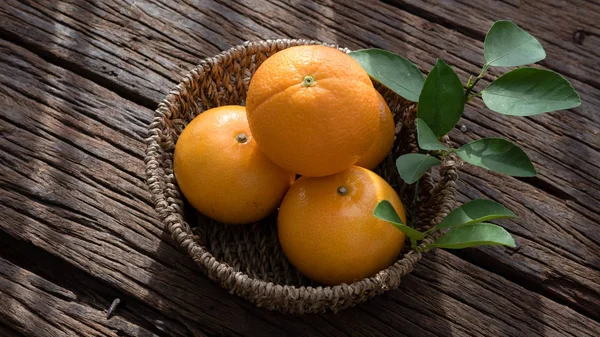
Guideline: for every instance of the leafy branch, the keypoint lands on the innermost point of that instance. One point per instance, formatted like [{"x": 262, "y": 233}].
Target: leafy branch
[
  {"x": 441, "y": 99},
  {"x": 464, "y": 227}
]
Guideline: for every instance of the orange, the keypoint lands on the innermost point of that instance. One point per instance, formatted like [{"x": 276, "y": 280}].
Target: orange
[
  {"x": 222, "y": 173},
  {"x": 328, "y": 231},
  {"x": 384, "y": 139},
  {"x": 312, "y": 110}
]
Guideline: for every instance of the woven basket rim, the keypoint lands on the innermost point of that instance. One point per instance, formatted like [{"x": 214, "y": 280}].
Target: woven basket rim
[{"x": 238, "y": 282}]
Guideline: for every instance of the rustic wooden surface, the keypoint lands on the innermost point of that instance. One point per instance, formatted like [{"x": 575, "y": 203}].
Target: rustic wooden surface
[{"x": 78, "y": 83}]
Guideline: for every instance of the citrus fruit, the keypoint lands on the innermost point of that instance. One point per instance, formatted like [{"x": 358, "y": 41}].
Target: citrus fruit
[
  {"x": 383, "y": 141},
  {"x": 312, "y": 110},
  {"x": 222, "y": 173},
  {"x": 327, "y": 229}
]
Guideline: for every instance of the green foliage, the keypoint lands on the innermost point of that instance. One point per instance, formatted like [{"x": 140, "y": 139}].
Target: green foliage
[
  {"x": 385, "y": 211},
  {"x": 391, "y": 70},
  {"x": 427, "y": 139},
  {"x": 478, "y": 234},
  {"x": 466, "y": 225},
  {"x": 412, "y": 166},
  {"x": 507, "y": 45},
  {"x": 442, "y": 99},
  {"x": 498, "y": 155},
  {"x": 530, "y": 91},
  {"x": 475, "y": 211}
]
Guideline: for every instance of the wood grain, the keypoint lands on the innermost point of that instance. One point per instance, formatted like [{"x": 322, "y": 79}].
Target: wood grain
[
  {"x": 131, "y": 47},
  {"x": 557, "y": 253},
  {"x": 6, "y": 331},
  {"x": 87, "y": 290},
  {"x": 568, "y": 30},
  {"x": 34, "y": 306},
  {"x": 63, "y": 145}
]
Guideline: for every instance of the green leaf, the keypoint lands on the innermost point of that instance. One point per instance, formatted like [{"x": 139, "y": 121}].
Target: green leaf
[
  {"x": 530, "y": 91},
  {"x": 427, "y": 139},
  {"x": 412, "y": 166},
  {"x": 385, "y": 211},
  {"x": 498, "y": 155},
  {"x": 479, "y": 234},
  {"x": 507, "y": 45},
  {"x": 442, "y": 99},
  {"x": 391, "y": 70},
  {"x": 474, "y": 211}
]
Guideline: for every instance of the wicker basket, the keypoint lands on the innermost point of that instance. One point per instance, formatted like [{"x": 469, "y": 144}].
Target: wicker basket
[{"x": 247, "y": 260}]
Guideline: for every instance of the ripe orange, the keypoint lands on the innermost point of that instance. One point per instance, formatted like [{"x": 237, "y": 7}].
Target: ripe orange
[
  {"x": 222, "y": 173},
  {"x": 328, "y": 231},
  {"x": 312, "y": 110},
  {"x": 384, "y": 139}
]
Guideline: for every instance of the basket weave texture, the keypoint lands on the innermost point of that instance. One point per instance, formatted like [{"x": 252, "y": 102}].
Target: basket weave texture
[{"x": 248, "y": 260}]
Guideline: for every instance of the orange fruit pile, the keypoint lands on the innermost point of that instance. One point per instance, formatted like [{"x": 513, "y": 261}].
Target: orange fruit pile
[{"x": 312, "y": 111}]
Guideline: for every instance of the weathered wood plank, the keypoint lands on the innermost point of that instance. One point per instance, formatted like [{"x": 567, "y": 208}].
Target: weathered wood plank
[
  {"x": 435, "y": 310},
  {"x": 6, "y": 331},
  {"x": 509, "y": 304},
  {"x": 55, "y": 205},
  {"x": 37, "y": 307},
  {"x": 569, "y": 30},
  {"x": 86, "y": 290},
  {"x": 135, "y": 50},
  {"x": 72, "y": 169},
  {"x": 546, "y": 260}
]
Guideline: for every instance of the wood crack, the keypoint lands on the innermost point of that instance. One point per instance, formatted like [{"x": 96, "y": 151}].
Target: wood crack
[
  {"x": 139, "y": 197},
  {"x": 88, "y": 291},
  {"x": 432, "y": 17},
  {"x": 429, "y": 12},
  {"x": 534, "y": 286},
  {"x": 120, "y": 90},
  {"x": 540, "y": 215}
]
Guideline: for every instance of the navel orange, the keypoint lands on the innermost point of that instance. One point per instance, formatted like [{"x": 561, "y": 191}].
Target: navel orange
[
  {"x": 221, "y": 172},
  {"x": 312, "y": 110},
  {"x": 384, "y": 139},
  {"x": 328, "y": 231}
]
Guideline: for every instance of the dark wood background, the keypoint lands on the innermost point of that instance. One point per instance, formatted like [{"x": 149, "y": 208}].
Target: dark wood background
[{"x": 78, "y": 84}]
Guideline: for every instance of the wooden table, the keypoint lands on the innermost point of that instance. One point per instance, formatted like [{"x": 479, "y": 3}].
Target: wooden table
[{"x": 78, "y": 84}]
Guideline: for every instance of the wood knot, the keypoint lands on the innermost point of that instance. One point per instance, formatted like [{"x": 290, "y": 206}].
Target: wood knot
[{"x": 579, "y": 36}]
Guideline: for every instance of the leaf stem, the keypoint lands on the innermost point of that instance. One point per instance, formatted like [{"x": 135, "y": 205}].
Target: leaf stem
[
  {"x": 430, "y": 230},
  {"x": 471, "y": 83},
  {"x": 416, "y": 196},
  {"x": 473, "y": 96}
]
